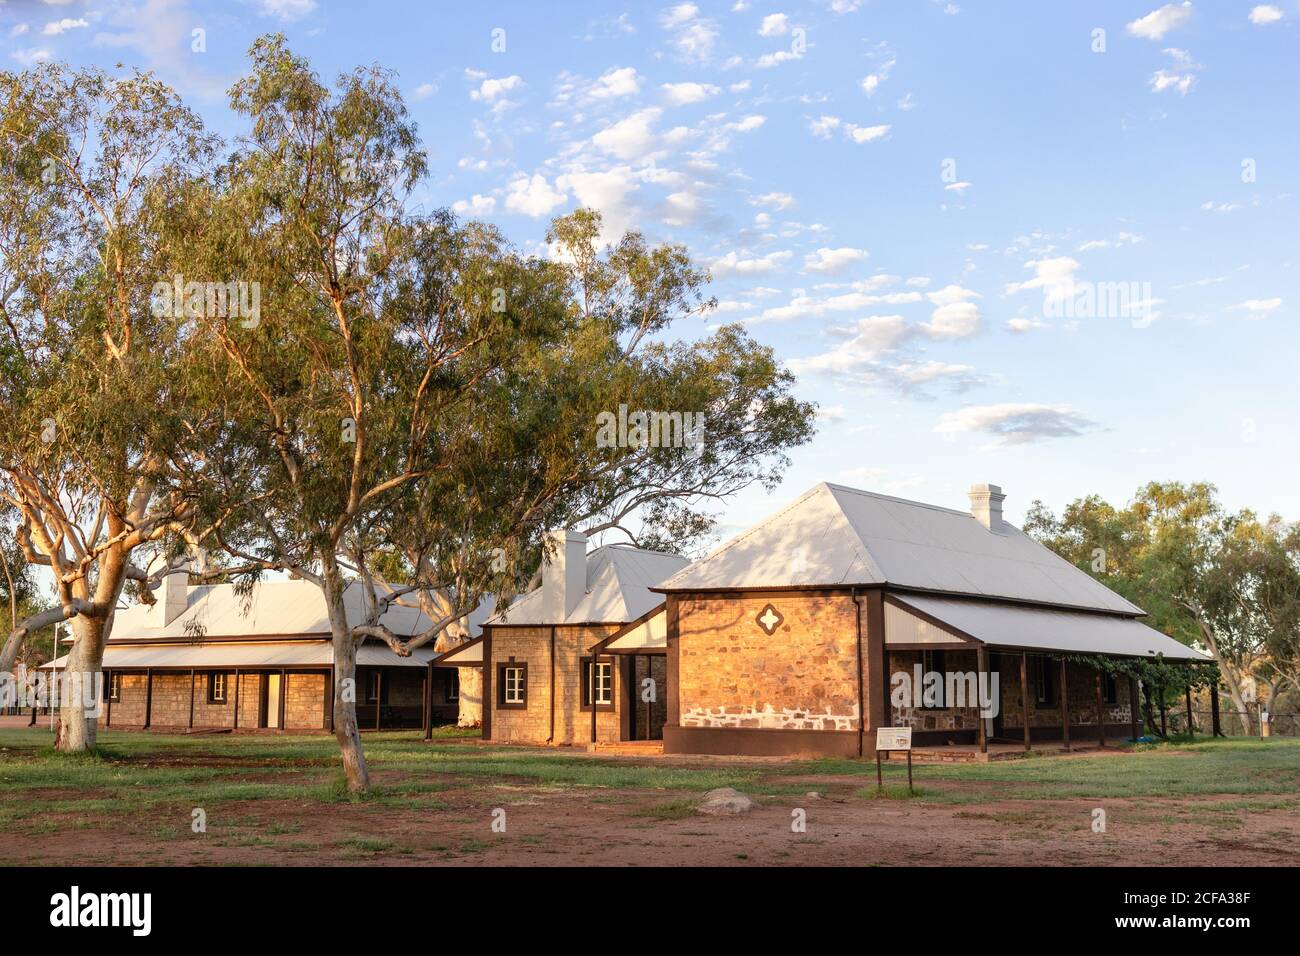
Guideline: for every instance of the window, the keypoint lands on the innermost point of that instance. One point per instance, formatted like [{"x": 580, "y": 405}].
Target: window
[
  {"x": 216, "y": 687},
  {"x": 114, "y": 686},
  {"x": 453, "y": 684},
  {"x": 1043, "y": 674},
  {"x": 932, "y": 662},
  {"x": 1109, "y": 689},
  {"x": 604, "y": 684},
  {"x": 375, "y": 686},
  {"x": 512, "y": 686}
]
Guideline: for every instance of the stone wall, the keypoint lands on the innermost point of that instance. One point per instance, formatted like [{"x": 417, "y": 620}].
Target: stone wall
[
  {"x": 732, "y": 674},
  {"x": 931, "y": 718},
  {"x": 304, "y": 705},
  {"x": 532, "y": 645}
]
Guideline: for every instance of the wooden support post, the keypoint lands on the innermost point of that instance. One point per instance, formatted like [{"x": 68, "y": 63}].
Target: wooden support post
[
  {"x": 591, "y": 696},
  {"x": 1101, "y": 713},
  {"x": 192, "y": 681},
  {"x": 284, "y": 692},
  {"x": 428, "y": 700},
  {"x": 1191, "y": 729},
  {"x": 108, "y": 682},
  {"x": 981, "y": 681},
  {"x": 1024, "y": 694},
  {"x": 1133, "y": 706},
  {"x": 1215, "y": 728},
  {"x": 329, "y": 701},
  {"x": 1065, "y": 708},
  {"x": 379, "y": 696},
  {"x": 148, "y": 697},
  {"x": 236, "y": 723}
]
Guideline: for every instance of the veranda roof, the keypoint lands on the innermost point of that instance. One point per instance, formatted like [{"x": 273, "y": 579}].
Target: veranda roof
[
  {"x": 1031, "y": 628},
  {"x": 247, "y": 655}
]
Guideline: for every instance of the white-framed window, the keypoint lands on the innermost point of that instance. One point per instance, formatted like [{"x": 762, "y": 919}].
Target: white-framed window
[
  {"x": 604, "y": 683},
  {"x": 216, "y": 687},
  {"x": 514, "y": 685}
]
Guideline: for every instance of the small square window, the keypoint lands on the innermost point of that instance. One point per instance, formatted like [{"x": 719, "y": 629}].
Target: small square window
[
  {"x": 512, "y": 686},
  {"x": 216, "y": 687}
]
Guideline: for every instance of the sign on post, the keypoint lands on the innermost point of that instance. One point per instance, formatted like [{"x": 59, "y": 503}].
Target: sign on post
[{"x": 893, "y": 738}]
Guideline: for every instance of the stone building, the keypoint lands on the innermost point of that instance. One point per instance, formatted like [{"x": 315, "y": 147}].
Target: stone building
[
  {"x": 546, "y": 660},
  {"x": 207, "y": 657},
  {"x": 849, "y": 611}
]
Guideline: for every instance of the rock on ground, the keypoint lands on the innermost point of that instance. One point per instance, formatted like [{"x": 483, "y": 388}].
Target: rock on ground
[{"x": 725, "y": 800}]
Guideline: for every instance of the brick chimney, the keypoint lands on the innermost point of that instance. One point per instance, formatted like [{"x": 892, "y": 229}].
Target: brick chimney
[
  {"x": 986, "y": 506},
  {"x": 175, "y": 596},
  {"x": 564, "y": 574}
]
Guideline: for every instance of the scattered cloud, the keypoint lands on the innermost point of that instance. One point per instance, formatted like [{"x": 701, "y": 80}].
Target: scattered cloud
[
  {"x": 1265, "y": 13},
  {"x": 1021, "y": 326},
  {"x": 1017, "y": 424},
  {"x": 286, "y": 10},
  {"x": 621, "y": 81},
  {"x": 533, "y": 196},
  {"x": 424, "y": 91},
  {"x": 683, "y": 94},
  {"x": 1257, "y": 308},
  {"x": 833, "y": 261},
  {"x": 631, "y": 137},
  {"x": 774, "y": 25},
  {"x": 693, "y": 36},
  {"x": 1157, "y": 23},
  {"x": 56, "y": 27},
  {"x": 476, "y": 205},
  {"x": 733, "y": 264}
]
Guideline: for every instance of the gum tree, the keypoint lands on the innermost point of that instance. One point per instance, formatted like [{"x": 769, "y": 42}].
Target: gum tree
[{"x": 98, "y": 422}]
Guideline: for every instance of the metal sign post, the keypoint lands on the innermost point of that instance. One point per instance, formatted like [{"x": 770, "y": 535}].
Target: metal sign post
[{"x": 889, "y": 739}]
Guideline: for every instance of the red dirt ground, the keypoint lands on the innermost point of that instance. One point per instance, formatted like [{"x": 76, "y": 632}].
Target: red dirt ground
[{"x": 564, "y": 826}]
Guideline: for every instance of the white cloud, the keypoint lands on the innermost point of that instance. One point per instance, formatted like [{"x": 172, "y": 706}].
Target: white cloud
[
  {"x": 871, "y": 82},
  {"x": 1265, "y": 13},
  {"x": 681, "y": 94},
  {"x": 955, "y": 317},
  {"x": 774, "y": 25},
  {"x": 533, "y": 196},
  {"x": 1157, "y": 23},
  {"x": 1162, "y": 80},
  {"x": 1258, "y": 308},
  {"x": 823, "y": 126},
  {"x": 769, "y": 60},
  {"x": 30, "y": 56},
  {"x": 733, "y": 264},
  {"x": 18, "y": 30},
  {"x": 958, "y": 188},
  {"x": 1017, "y": 424},
  {"x": 286, "y": 10},
  {"x": 1021, "y": 326},
  {"x": 693, "y": 36},
  {"x": 865, "y": 134},
  {"x": 773, "y": 200},
  {"x": 631, "y": 137},
  {"x": 1211, "y": 206},
  {"x": 490, "y": 89},
  {"x": 832, "y": 261},
  {"x": 622, "y": 81},
  {"x": 425, "y": 90},
  {"x": 475, "y": 206},
  {"x": 1054, "y": 276},
  {"x": 56, "y": 27}
]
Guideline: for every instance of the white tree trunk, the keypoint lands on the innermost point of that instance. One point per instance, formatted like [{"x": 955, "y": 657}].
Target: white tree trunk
[
  {"x": 346, "y": 730},
  {"x": 471, "y": 697},
  {"x": 77, "y": 723}
]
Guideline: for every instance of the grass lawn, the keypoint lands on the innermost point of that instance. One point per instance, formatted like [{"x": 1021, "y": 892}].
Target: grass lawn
[{"x": 283, "y": 797}]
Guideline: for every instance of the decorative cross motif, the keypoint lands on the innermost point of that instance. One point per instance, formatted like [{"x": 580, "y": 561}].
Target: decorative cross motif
[{"x": 769, "y": 619}]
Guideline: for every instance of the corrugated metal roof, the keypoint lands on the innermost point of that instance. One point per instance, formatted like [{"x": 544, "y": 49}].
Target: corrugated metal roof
[
  {"x": 842, "y": 536},
  {"x": 1010, "y": 625},
  {"x": 249, "y": 654},
  {"x": 618, "y": 583},
  {"x": 273, "y": 608}
]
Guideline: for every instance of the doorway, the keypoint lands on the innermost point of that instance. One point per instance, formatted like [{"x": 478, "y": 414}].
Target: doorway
[
  {"x": 272, "y": 699},
  {"x": 647, "y": 697}
]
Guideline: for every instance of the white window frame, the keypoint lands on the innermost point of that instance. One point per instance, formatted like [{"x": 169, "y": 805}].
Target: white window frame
[{"x": 515, "y": 691}]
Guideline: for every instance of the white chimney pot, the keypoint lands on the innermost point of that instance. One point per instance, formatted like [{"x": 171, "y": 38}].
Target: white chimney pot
[
  {"x": 986, "y": 505},
  {"x": 564, "y": 574}
]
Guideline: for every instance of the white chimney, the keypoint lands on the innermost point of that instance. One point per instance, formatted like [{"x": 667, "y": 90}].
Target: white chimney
[
  {"x": 564, "y": 574},
  {"x": 175, "y": 588},
  {"x": 986, "y": 506}
]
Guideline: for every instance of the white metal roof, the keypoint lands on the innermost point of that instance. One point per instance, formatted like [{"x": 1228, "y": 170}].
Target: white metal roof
[
  {"x": 842, "y": 536},
  {"x": 467, "y": 655},
  {"x": 275, "y": 608},
  {"x": 1010, "y": 625},
  {"x": 618, "y": 583},
  {"x": 249, "y": 654}
]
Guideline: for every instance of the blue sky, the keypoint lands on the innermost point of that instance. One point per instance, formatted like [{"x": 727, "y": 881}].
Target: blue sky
[{"x": 912, "y": 202}]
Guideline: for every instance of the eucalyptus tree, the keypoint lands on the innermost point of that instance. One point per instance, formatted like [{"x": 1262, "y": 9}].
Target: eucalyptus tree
[{"x": 98, "y": 422}]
